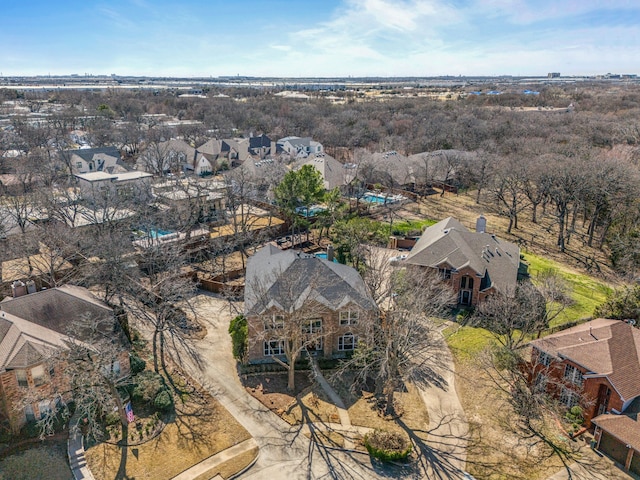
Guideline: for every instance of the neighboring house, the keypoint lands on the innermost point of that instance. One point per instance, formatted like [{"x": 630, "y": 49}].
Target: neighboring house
[
  {"x": 299, "y": 147},
  {"x": 334, "y": 174},
  {"x": 395, "y": 170},
  {"x": 125, "y": 185},
  {"x": 477, "y": 264},
  {"x": 597, "y": 360},
  {"x": 173, "y": 156},
  {"x": 32, "y": 327},
  {"x": 595, "y": 365},
  {"x": 104, "y": 159},
  {"x": 230, "y": 151},
  {"x": 282, "y": 285},
  {"x": 187, "y": 194},
  {"x": 261, "y": 146}
]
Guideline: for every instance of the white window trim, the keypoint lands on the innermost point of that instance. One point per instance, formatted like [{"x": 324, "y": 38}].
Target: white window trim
[
  {"x": 575, "y": 377},
  {"x": 270, "y": 351},
  {"x": 544, "y": 358},
  {"x": 342, "y": 343},
  {"x": 309, "y": 327},
  {"x": 569, "y": 398},
  {"x": 352, "y": 317}
]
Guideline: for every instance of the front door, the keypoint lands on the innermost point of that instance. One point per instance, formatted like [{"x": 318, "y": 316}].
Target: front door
[{"x": 465, "y": 297}]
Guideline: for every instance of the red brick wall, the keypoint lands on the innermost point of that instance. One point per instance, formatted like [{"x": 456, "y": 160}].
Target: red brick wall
[
  {"x": 589, "y": 391},
  {"x": 331, "y": 327}
]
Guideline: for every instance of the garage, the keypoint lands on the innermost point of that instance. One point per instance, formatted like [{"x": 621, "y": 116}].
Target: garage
[{"x": 613, "y": 447}]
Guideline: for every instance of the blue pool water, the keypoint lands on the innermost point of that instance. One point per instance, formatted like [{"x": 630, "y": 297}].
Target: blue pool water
[
  {"x": 323, "y": 255},
  {"x": 312, "y": 212},
  {"x": 371, "y": 198},
  {"x": 159, "y": 233}
]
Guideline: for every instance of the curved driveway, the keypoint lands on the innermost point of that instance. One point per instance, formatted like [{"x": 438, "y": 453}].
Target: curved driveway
[{"x": 285, "y": 453}]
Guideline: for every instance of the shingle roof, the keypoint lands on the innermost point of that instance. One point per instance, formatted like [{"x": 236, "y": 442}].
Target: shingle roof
[
  {"x": 603, "y": 347},
  {"x": 332, "y": 171},
  {"x": 211, "y": 147},
  {"x": 287, "y": 279},
  {"x": 34, "y": 325},
  {"x": 25, "y": 343},
  {"x": 57, "y": 307},
  {"x": 259, "y": 141},
  {"x": 622, "y": 427},
  {"x": 449, "y": 242},
  {"x": 87, "y": 154}
]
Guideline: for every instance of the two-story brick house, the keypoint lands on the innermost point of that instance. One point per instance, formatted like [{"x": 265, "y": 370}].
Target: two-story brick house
[
  {"x": 477, "y": 264},
  {"x": 595, "y": 365},
  {"x": 32, "y": 328},
  {"x": 328, "y": 300}
]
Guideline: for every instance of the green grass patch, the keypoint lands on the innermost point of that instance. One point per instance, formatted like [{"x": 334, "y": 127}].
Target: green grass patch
[
  {"x": 411, "y": 227},
  {"x": 467, "y": 342},
  {"x": 587, "y": 292}
]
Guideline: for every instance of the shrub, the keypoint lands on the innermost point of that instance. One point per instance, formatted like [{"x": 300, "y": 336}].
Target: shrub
[
  {"x": 163, "y": 401},
  {"x": 112, "y": 418},
  {"x": 239, "y": 331},
  {"x": 137, "y": 364},
  {"x": 147, "y": 386},
  {"x": 387, "y": 446}
]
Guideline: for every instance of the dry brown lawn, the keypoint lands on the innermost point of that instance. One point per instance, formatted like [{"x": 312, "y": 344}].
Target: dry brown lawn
[
  {"x": 494, "y": 452},
  {"x": 312, "y": 405},
  {"x": 200, "y": 429}
]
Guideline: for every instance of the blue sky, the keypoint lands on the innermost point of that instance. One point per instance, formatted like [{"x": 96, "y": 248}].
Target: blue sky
[{"x": 319, "y": 37}]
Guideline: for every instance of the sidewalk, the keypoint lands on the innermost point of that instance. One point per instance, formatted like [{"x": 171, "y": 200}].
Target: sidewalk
[
  {"x": 214, "y": 461},
  {"x": 343, "y": 414},
  {"x": 75, "y": 451}
]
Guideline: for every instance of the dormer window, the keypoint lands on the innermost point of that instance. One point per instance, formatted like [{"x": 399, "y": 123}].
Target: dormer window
[{"x": 445, "y": 273}]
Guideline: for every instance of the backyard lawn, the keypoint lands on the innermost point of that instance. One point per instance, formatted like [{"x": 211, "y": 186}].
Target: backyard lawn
[{"x": 587, "y": 293}]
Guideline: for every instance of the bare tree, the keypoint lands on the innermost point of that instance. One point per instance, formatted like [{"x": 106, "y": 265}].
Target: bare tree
[
  {"x": 404, "y": 345},
  {"x": 94, "y": 367},
  {"x": 292, "y": 323}
]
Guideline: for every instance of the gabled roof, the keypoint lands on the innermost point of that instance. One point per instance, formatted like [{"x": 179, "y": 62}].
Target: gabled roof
[
  {"x": 287, "y": 279},
  {"x": 211, "y": 147},
  {"x": 23, "y": 343},
  {"x": 623, "y": 427},
  {"x": 332, "y": 171},
  {"x": 448, "y": 242},
  {"x": 56, "y": 308},
  {"x": 87, "y": 154},
  {"x": 296, "y": 141},
  {"x": 260, "y": 141},
  {"x": 603, "y": 347}
]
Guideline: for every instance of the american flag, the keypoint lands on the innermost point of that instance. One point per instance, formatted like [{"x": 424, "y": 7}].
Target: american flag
[{"x": 128, "y": 409}]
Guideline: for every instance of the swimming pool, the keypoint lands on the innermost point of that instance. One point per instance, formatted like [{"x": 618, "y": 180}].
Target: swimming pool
[
  {"x": 374, "y": 198},
  {"x": 159, "y": 233},
  {"x": 311, "y": 212},
  {"x": 323, "y": 255}
]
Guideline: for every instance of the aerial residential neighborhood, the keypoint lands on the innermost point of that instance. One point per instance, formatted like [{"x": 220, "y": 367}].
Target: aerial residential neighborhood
[
  {"x": 337, "y": 240},
  {"x": 351, "y": 297}
]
